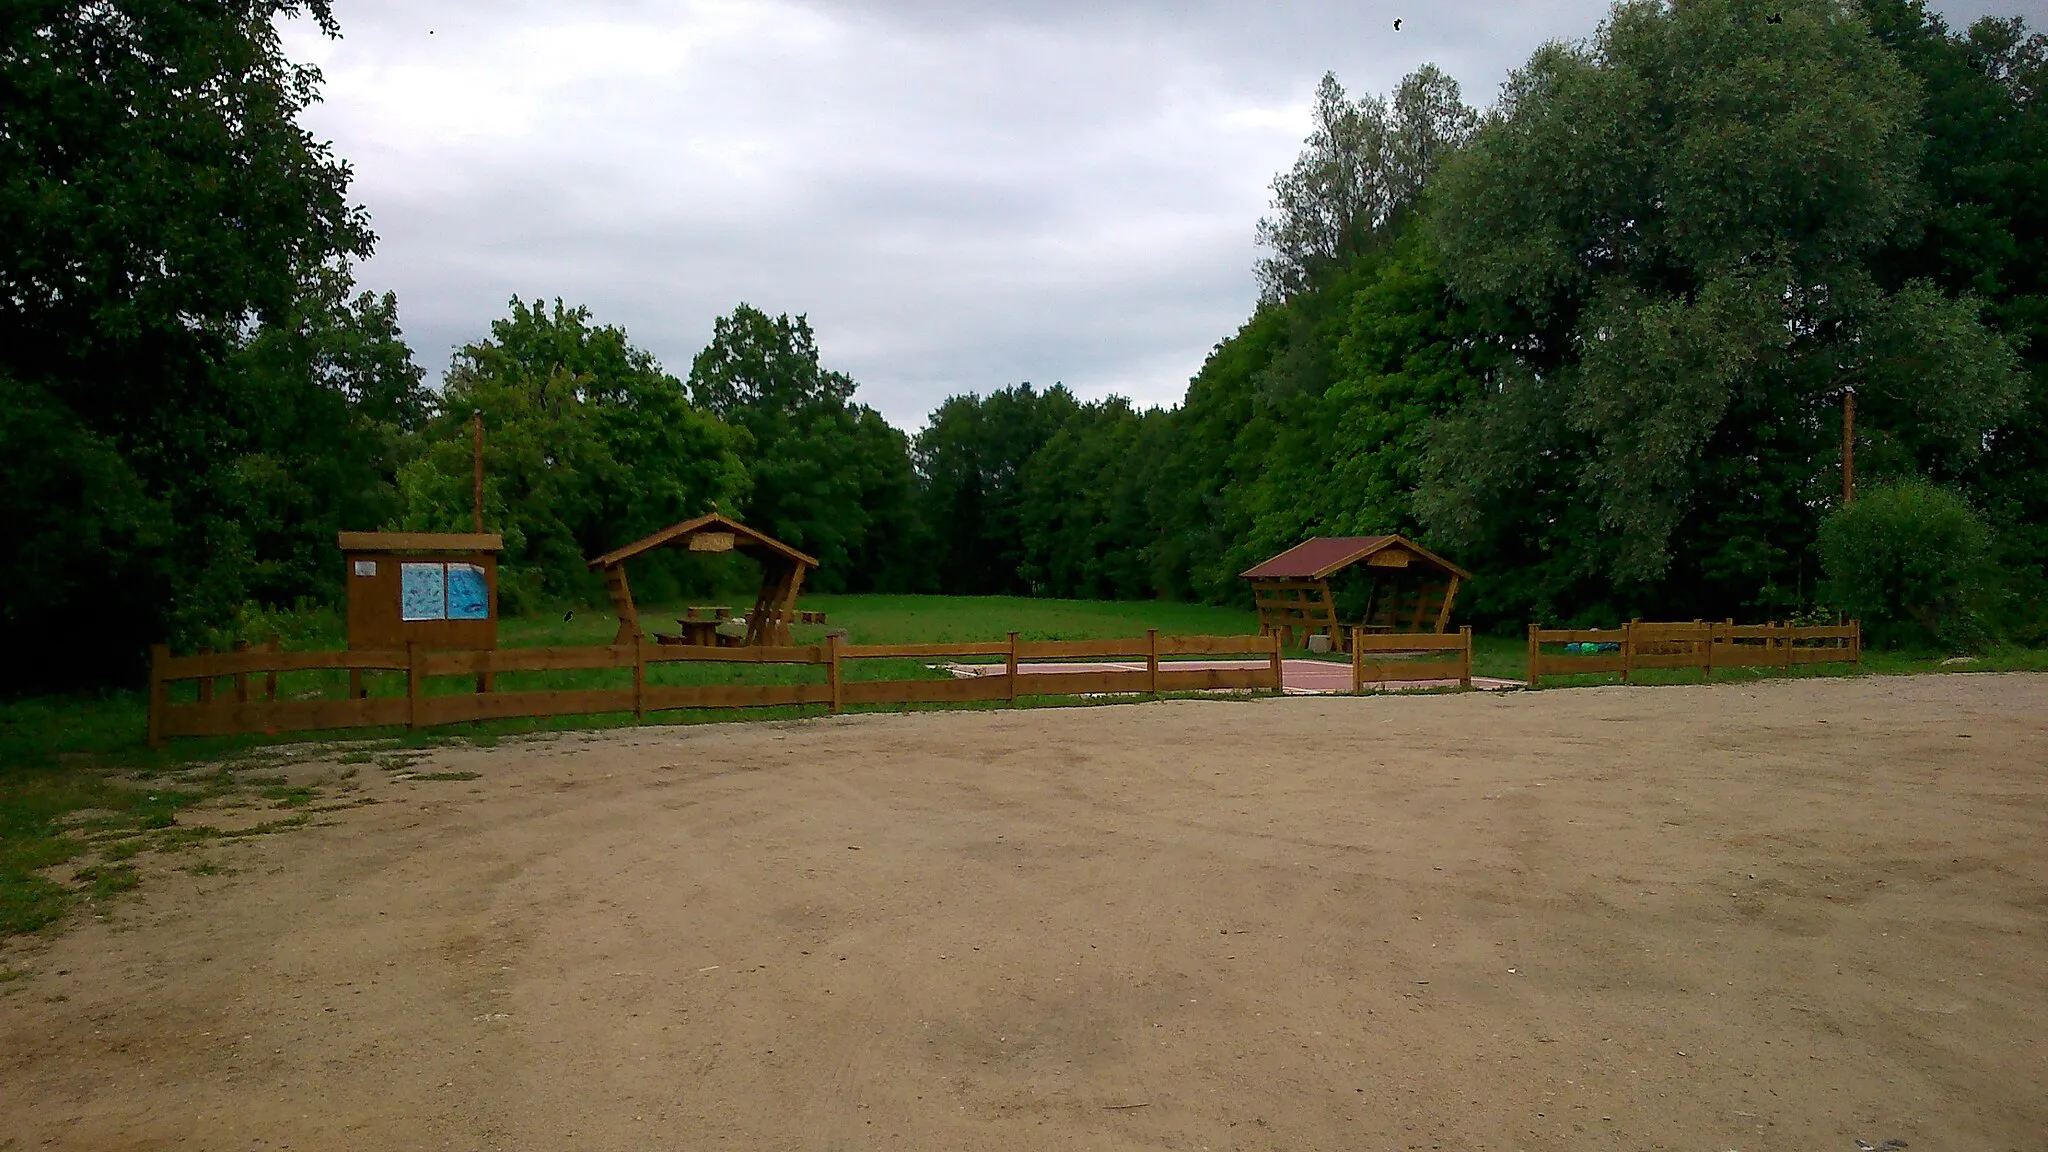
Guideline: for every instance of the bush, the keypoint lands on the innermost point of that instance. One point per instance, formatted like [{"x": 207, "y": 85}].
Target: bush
[{"x": 1908, "y": 560}]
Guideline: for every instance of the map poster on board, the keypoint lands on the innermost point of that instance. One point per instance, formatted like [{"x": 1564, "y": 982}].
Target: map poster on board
[
  {"x": 469, "y": 597},
  {"x": 422, "y": 595}
]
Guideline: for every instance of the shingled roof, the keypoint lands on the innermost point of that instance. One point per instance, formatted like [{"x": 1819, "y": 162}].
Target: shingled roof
[{"x": 1317, "y": 558}]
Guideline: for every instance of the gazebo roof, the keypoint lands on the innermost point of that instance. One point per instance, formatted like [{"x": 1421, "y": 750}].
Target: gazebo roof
[
  {"x": 1318, "y": 558},
  {"x": 744, "y": 538}
]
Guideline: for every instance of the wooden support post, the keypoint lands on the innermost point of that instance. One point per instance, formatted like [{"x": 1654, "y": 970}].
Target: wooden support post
[
  {"x": 1535, "y": 656},
  {"x": 1011, "y": 666},
  {"x": 1357, "y": 662},
  {"x": 206, "y": 682},
  {"x": 1279, "y": 671},
  {"x": 1786, "y": 631},
  {"x": 1151, "y": 661},
  {"x": 639, "y": 678},
  {"x": 159, "y": 693},
  {"x": 241, "y": 678},
  {"x": 832, "y": 672},
  {"x": 1628, "y": 650},
  {"x": 1707, "y": 660},
  {"x": 1855, "y": 641},
  {"x": 415, "y": 680},
  {"x": 1465, "y": 673}
]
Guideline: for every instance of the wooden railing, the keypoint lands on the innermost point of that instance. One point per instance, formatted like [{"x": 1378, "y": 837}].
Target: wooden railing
[
  {"x": 1384, "y": 658},
  {"x": 1706, "y": 646},
  {"x": 241, "y": 711}
]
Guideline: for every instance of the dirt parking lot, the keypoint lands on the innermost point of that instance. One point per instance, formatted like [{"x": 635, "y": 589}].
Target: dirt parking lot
[{"x": 1786, "y": 915}]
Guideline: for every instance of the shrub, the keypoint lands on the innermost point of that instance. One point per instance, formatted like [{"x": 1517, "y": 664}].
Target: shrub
[{"x": 1908, "y": 559}]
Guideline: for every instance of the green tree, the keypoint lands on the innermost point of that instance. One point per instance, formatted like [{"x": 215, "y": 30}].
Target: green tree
[
  {"x": 588, "y": 445},
  {"x": 1908, "y": 560},
  {"x": 971, "y": 460},
  {"x": 158, "y": 201},
  {"x": 829, "y": 476},
  {"x": 1666, "y": 235}
]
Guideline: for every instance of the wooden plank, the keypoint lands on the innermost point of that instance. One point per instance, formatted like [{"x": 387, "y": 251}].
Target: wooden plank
[
  {"x": 1402, "y": 671},
  {"x": 919, "y": 651},
  {"x": 1841, "y": 655},
  {"x": 527, "y": 660},
  {"x": 508, "y": 705},
  {"x": 1079, "y": 683},
  {"x": 1578, "y": 635},
  {"x": 1826, "y": 632},
  {"x": 740, "y": 696},
  {"x": 1152, "y": 661},
  {"x": 1410, "y": 642},
  {"x": 1534, "y": 671},
  {"x": 1669, "y": 660},
  {"x": 1079, "y": 649},
  {"x": 928, "y": 691},
  {"x": 1209, "y": 679},
  {"x": 254, "y": 660},
  {"x": 227, "y": 718},
  {"x": 1010, "y": 669},
  {"x": 421, "y": 542},
  {"x": 750, "y": 654}
]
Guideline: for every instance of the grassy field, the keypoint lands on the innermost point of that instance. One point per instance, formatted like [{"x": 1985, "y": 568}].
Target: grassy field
[{"x": 79, "y": 789}]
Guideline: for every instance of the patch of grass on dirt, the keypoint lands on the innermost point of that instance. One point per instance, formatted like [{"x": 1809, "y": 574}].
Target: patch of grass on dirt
[{"x": 446, "y": 775}]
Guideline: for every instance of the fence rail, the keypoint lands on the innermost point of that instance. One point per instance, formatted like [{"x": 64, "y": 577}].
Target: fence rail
[
  {"x": 1390, "y": 658},
  {"x": 244, "y": 712},
  {"x": 1641, "y": 645}
]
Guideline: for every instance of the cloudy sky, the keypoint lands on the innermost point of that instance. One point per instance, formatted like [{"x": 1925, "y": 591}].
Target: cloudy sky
[{"x": 961, "y": 195}]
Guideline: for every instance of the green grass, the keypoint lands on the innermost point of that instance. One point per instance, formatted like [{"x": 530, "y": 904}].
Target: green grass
[{"x": 79, "y": 789}]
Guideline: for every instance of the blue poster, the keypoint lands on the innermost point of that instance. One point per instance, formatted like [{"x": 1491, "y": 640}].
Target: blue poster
[
  {"x": 422, "y": 595},
  {"x": 469, "y": 598}
]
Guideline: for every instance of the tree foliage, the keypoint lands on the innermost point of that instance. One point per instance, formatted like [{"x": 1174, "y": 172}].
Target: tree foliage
[
  {"x": 1669, "y": 233},
  {"x": 1908, "y": 560}
]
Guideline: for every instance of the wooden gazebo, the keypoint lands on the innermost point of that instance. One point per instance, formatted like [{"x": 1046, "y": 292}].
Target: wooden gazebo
[
  {"x": 782, "y": 573},
  {"x": 1411, "y": 588}
]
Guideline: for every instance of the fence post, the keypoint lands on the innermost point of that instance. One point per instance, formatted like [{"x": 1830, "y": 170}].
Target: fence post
[
  {"x": 832, "y": 672},
  {"x": 639, "y": 679},
  {"x": 1010, "y": 666},
  {"x": 1357, "y": 661},
  {"x": 159, "y": 693},
  {"x": 1855, "y": 641},
  {"x": 1786, "y": 631},
  {"x": 1628, "y": 650},
  {"x": 1152, "y": 661},
  {"x": 1535, "y": 656},
  {"x": 1707, "y": 657},
  {"x": 413, "y": 683},
  {"x": 1279, "y": 670},
  {"x": 241, "y": 677},
  {"x": 1465, "y": 673}
]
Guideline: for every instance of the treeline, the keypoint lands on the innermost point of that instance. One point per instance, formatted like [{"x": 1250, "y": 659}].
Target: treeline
[{"x": 1593, "y": 344}]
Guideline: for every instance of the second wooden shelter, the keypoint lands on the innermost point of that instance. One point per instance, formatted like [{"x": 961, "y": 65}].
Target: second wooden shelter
[
  {"x": 1411, "y": 588},
  {"x": 782, "y": 573}
]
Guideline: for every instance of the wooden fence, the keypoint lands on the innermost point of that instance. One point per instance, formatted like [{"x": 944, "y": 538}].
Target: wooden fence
[
  {"x": 1385, "y": 658},
  {"x": 241, "y": 710},
  {"x": 1703, "y": 645}
]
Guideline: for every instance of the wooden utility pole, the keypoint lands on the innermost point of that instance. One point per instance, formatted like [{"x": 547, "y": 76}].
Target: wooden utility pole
[
  {"x": 1848, "y": 446},
  {"x": 476, "y": 436}
]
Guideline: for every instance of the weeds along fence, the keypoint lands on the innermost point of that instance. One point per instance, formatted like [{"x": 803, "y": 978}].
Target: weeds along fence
[
  {"x": 1407, "y": 658},
  {"x": 1704, "y": 645},
  {"x": 236, "y": 693}
]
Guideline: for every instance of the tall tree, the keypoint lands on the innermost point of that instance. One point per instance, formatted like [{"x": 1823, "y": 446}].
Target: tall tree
[
  {"x": 589, "y": 445},
  {"x": 1667, "y": 234},
  {"x": 158, "y": 199},
  {"x": 829, "y": 476}
]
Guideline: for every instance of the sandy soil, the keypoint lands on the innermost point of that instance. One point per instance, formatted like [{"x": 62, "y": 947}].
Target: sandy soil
[{"x": 1789, "y": 915}]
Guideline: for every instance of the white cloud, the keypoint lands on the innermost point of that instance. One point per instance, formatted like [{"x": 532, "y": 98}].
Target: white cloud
[{"x": 961, "y": 195}]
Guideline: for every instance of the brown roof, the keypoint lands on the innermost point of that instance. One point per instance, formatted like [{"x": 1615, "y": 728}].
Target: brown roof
[
  {"x": 749, "y": 541},
  {"x": 421, "y": 542},
  {"x": 1317, "y": 558}
]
